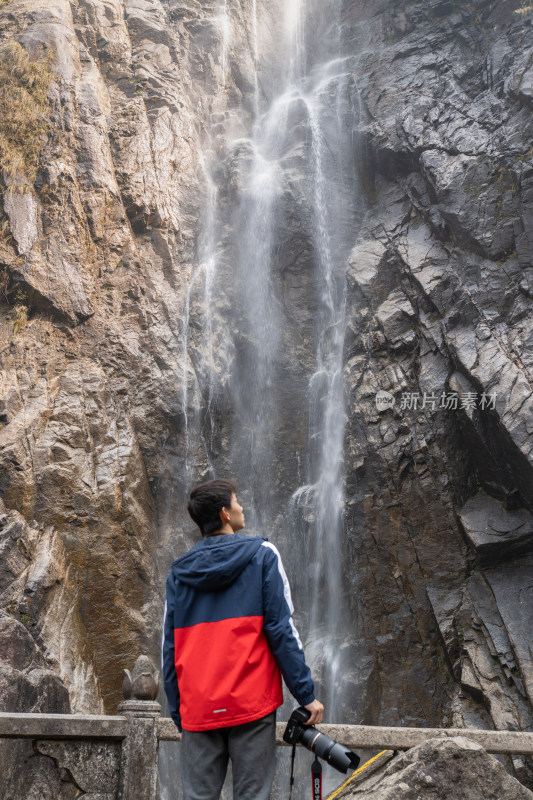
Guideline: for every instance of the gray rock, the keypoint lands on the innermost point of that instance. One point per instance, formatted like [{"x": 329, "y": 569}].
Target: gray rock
[
  {"x": 93, "y": 766},
  {"x": 25, "y": 773},
  {"x": 445, "y": 770},
  {"x": 395, "y": 317},
  {"x": 513, "y": 591},
  {"x": 496, "y": 534},
  {"x": 23, "y": 214},
  {"x": 19, "y": 649}
]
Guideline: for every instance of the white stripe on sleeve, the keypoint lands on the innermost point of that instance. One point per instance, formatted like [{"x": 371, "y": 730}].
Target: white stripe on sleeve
[{"x": 286, "y": 591}]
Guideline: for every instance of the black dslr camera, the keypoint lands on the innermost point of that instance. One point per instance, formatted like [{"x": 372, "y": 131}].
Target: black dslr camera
[{"x": 321, "y": 745}]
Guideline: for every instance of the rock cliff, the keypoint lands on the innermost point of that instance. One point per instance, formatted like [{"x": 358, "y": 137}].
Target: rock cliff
[
  {"x": 103, "y": 338},
  {"x": 440, "y": 285}
]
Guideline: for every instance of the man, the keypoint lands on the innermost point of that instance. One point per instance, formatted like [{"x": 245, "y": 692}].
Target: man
[{"x": 228, "y": 632}]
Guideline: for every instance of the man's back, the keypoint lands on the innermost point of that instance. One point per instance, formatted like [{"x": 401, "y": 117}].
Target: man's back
[
  {"x": 228, "y": 631},
  {"x": 230, "y": 610}
]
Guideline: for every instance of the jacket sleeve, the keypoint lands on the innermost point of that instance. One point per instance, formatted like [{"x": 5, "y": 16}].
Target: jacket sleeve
[
  {"x": 280, "y": 630},
  {"x": 170, "y": 679}
]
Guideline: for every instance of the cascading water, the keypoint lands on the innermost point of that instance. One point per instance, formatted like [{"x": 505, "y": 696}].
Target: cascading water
[
  {"x": 205, "y": 274},
  {"x": 265, "y": 353},
  {"x": 316, "y": 507}
]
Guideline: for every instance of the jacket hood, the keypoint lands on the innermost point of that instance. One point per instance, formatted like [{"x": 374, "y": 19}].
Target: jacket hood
[{"x": 216, "y": 561}]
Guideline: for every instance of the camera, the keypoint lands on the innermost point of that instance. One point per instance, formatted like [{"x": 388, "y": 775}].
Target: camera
[{"x": 297, "y": 732}]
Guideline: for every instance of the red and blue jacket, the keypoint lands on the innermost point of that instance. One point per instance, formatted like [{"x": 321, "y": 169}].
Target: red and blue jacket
[{"x": 228, "y": 633}]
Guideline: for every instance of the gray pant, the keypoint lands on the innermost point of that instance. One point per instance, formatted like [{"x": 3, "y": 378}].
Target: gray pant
[{"x": 252, "y": 750}]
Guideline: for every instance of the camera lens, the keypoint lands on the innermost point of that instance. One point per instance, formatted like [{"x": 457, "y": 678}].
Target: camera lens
[
  {"x": 309, "y": 737},
  {"x": 331, "y": 751}
]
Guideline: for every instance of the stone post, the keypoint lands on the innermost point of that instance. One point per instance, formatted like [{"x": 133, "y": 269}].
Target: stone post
[{"x": 138, "y": 778}]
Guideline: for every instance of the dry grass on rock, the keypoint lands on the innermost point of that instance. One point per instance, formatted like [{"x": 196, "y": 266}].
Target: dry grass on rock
[{"x": 24, "y": 112}]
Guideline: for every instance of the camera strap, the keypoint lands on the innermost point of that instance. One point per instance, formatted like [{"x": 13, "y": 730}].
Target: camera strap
[
  {"x": 316, "y": 779},
  {"x": 291, "y": 781},
  {"x": 316, "y": 776}
]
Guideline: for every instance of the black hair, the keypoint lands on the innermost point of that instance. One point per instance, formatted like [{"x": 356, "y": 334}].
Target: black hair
[{"x": 207, "y": 501}]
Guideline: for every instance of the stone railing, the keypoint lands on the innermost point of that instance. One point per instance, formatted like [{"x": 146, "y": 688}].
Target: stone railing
[{"x": 116, "y": 756}]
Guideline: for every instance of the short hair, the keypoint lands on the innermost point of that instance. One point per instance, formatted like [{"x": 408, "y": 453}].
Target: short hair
[{"x": 207, "y": 500}]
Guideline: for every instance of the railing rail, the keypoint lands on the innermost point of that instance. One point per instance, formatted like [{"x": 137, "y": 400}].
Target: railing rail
[
  {"x": 370, "y": 737},
  {"x": 117, "y": 755},
  {"x": 62, "y": 726},
  {"x": 362, "y": 737}
]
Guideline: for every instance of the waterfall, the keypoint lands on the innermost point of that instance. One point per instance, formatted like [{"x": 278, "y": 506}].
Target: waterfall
[
  {"x": 225, "y": 31},
  {"x": 316, "y": 507},
  {"x": 265, "y": 352},
  {"x": 204, "y": 275}
]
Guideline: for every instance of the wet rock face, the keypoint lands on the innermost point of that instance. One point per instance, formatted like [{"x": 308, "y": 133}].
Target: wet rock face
[
  {"x": 455, "y": 768},
  {"x": 439, "y": 483}
]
